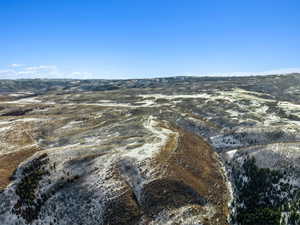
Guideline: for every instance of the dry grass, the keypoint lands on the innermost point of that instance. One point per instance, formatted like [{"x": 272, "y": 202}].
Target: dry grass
[
  {"x": 21, "y": 135},
  {"x": 9, "y": 162},
  {"x": 193, "y": 161},
  {"x": 4, "y": 98}
]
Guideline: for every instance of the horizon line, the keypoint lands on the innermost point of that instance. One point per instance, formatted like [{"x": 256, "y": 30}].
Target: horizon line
[{"x": 219, "y": 75}]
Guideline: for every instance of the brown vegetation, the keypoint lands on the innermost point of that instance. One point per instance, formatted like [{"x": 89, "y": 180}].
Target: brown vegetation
[
  {"x": 9, "y": 162},
  {"x": 21, "y": 135},
  {"x": 194, "y": 163}
]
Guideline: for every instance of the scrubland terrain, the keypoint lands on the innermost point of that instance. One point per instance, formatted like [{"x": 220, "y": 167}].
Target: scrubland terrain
[{"x": 182, "y": 150}]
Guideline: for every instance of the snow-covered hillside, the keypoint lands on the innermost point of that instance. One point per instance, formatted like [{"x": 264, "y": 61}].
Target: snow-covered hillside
[{"x": 211, "y": 151}]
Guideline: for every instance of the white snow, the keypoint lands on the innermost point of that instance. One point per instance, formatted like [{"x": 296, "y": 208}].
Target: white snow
[
  {"x": 5, "y": 122},
  {"x": 3, "y": 129},
  {"x": 170, "y": 97},
  {"x": 230, "y": 154},
  {"x": 289, "y": 106},
  {"x": 30, "y": 120},
  {"x": 17, "y": 94},
  {"x": 221, "y": 141},
  {"x": 71, "y": 124},
  {"x": 161, "y": 136},
  {"x": 25, "y": 101},
  {"x": 270, "y": 119}
]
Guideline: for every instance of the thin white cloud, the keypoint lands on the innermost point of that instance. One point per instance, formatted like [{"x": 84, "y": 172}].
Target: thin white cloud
[
  {"x": 19, "y": 71},
  {"x": 7, "y": 74},
  {"x": 16, "y": 71},
  {"x": 41, "y": 67},
  {"x": 15, "y": 65}
]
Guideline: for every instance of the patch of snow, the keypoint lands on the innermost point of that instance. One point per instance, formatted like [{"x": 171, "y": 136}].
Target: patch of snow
[
  {"x": 170, "y": 97},
  {"x": 26, "y": 101},
  {"x": 3, "y": 129},
  {"x": 5, "y": 122},
  {"x": 221, "y": 141},
  {"x": 71, "y": 124},
  {"x": 146, "y": 103},
  {"x": 270, "y": 119},
  {"x": 233, "y": 114},
  {"x": 108, "y": 104},
  {"x": 289, "y": 106},
  {"x": 149, "y": 149},
  {"x": 262, "y": 109},
  {"x": 230, "y": 154},
  {"x": 17, "y": 94},
  {"x": 30, "y": 120},
  {"x": 105, "y": 101}
]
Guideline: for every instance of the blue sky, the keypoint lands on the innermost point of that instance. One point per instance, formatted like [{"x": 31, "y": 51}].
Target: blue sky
[{"x": 147, "y": 38}]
